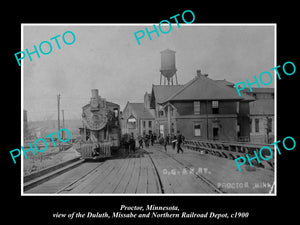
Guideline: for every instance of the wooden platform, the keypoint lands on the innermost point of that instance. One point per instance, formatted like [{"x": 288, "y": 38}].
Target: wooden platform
[{"x": 153, "y": 170}]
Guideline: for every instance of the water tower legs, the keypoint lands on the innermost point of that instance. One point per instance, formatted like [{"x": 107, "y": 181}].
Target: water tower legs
[
  {"x": 176, "y": 78},
  {"x": 169, "y": 81}
]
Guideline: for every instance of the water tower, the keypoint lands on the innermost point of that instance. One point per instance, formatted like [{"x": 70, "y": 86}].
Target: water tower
[{"x": 168, "y": 68}]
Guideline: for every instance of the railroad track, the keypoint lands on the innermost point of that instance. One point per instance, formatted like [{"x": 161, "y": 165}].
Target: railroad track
[
  {"x": 65, "y": 188},
  {"x": 212, "y": 186},
  {"x": 157, "y": 173},
  {"x": 138, "y": 154},
  {"x": 121, "y": 179}
]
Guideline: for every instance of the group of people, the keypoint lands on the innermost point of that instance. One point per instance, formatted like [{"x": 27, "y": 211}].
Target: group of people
[
  {"x": 147, "y": 139},
  {"x": 129, "y": 141},
  {"x": 175, "y": 140}
]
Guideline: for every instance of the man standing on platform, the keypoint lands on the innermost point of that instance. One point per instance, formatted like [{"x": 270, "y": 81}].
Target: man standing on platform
[
  {"x": 140, "y": 138},
  {"x": 179, "y": 141},
  {"x": 166, "y": 141},
  {"x": 132, "y": 143},
  {"x": 174, "y": 140}
]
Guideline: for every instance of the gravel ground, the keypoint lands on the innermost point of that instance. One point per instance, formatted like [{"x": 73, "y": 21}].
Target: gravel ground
[{"x": 41, "y": 160}]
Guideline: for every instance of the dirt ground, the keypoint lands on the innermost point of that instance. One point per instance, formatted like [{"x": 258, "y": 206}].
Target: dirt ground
[{"x": 41, "y": 160}]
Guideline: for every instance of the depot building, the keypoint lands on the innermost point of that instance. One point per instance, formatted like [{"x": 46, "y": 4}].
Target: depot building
[{"x": 202, "y": 108}]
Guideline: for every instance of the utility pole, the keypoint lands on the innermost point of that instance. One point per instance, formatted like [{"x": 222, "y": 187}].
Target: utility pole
[
  {"x": 63, "y": 126},
  {"x": 58, "y": 119},
  {"x": 63, "y": 123}
]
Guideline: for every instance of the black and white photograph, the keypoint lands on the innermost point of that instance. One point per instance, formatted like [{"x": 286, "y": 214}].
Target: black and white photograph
[{"x": 162, "y": 117}]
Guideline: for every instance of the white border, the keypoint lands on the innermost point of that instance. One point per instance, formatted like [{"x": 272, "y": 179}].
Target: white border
[{"x": 151, "y": 24}]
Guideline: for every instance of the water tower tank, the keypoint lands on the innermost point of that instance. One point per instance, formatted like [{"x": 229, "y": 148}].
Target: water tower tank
[{"x": 168, "y": 67}]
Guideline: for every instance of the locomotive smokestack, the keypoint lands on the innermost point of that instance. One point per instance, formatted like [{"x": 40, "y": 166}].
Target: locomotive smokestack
[
  {"x": 94, "y": 100},
  {"x": 94, "y": 93}
]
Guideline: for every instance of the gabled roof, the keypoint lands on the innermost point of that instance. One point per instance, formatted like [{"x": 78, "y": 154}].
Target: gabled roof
[
  {"x": 140, "y": 110},
  {"x": 204, "y": 88},
  {"x": 163, "y": 92}
]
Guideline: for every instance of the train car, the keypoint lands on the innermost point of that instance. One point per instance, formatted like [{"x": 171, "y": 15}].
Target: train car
[{"x": 101, "y": 130}]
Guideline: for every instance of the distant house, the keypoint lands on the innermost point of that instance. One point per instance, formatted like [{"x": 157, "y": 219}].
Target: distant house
[
  {"x": 261, "y": 115},
  {"x": 201, "y": 109},
  {"x": 137, "y": 118}
]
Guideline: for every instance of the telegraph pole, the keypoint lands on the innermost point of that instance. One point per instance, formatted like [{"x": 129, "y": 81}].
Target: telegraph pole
[
  {"x": 58, "y": 119},
  {"x": 63, "y": 123},
  {"x": 63, "y": 126}
]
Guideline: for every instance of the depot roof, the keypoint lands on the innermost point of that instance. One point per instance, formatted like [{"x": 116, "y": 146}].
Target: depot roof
[
  {"x": 139, "y": 110},
  {"x": 203, "y": 88},
  {"x": 163, "y": 92}
]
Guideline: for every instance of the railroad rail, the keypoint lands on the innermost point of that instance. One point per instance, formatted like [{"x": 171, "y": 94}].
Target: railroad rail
[
  {"x": 65, "y": 188},
  {"x": 142, "y": 171},
  {"x": 70, "y": 186},
  {"x": 231, "y": 150},
  {"x": 211, "y": 185}
]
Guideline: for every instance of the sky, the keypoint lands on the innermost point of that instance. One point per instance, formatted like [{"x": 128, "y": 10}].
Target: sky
[{"x": 108, "y": 58}]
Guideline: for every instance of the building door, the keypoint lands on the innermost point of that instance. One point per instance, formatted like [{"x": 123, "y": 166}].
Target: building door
[{"x": 215, "y": 133}]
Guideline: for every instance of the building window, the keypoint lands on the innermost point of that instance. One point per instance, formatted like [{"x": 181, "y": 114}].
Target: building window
[
  {"x": 144, "y": 124},
  {"x": 237, "y": 107},
  {"x": 131, "y": 123},
  {"x": 196, "y": 107},
  {"x": 149, "y": 124},
  {"x": 215, "y": 107},
  {"x": 116, "y": 112},
  {"x": 250, "y": 122},
  {"x": 269, "y": 125},
  {"x": 197, "y": 130},
  {"x": 257, "y": 125},
  {"x": 160, "y": 111}
]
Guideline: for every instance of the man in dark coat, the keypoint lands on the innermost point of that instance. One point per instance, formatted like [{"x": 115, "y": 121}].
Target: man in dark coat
[
  {"x": 132, "y": 142},
  {"x": 141, "y": 142},
  {"x": 166, "y": 141},
  {"x": 179, "y": 141}
]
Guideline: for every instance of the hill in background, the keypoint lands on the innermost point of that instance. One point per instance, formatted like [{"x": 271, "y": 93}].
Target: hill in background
[{"x": 39, "y": 129}]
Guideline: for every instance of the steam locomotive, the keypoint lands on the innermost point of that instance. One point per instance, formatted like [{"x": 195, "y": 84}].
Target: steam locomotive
[{"x": 101, "y": 132}]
